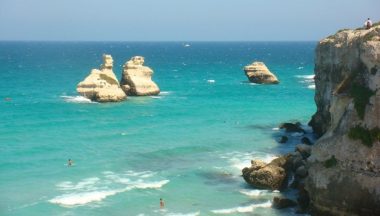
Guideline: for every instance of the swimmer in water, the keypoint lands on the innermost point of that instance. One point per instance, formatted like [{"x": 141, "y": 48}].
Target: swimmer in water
[
  {"x": 69, "y": 162},
  {"x": 162, "y": 204}
]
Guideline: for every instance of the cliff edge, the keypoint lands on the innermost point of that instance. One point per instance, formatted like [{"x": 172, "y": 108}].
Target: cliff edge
[{"x": 344, "y": 167}]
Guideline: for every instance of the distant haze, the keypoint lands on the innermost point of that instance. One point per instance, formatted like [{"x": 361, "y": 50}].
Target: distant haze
[{"x": 181, "y": 20}]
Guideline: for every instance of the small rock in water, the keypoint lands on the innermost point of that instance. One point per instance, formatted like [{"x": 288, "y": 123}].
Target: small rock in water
[
  {"x": 292, "y": 127},
  {"x": 271, "y": 176},
  {"x": 283, "y": 202},
  {"x": 283, "y": 139},
  {"x": 306, "y": 141},
  {"x": 257, "y": 72}
]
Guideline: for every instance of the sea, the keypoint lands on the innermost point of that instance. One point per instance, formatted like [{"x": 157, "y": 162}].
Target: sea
[{"x": 186, "y": 145}]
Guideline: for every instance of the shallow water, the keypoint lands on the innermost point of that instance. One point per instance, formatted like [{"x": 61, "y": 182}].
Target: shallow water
[{"x": 186, "y": 145}]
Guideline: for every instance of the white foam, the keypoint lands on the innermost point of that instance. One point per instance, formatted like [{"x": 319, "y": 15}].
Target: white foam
[
  {"x": 240, "y": 160},
  {"x": 84, "y": 184},
  {"x": 243, "y": 209},
  {"x": 117, "y": 179},
  {"x": 300, "y": 68},
  {"x": 252, "y": 193},
  {"x": 269, "y": 158},
  {"x": 211, "y": 81},
  {"x": 276, "y": 129},
  {"x": 239, "y": 164},
  {"x": 165, "y": 93},
  {"x": 76, "y": 99},
  {"x": 308, "y": 80},
  {"x": 156, "y": 97},
  {"x": 184, "y": 214},
  {"x": 310, "y": 76},
  {"x": 133, "y": 173},
  {"x": 149, "y": 185},
  {"x": 98, "y": 188},
  {"x": 82, "y": 198}
]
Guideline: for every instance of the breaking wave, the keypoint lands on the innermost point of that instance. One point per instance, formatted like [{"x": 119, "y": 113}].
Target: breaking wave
[
  {"x": 76, "y": 99},
  {"x": 96, "y": 189},
  {"x": 242, "y": 209}
]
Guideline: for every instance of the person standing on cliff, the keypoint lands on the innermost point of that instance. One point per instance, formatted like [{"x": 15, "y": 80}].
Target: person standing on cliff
[{"x": 368, "y": 24}]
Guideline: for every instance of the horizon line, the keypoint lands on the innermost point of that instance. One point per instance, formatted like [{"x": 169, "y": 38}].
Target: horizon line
[{"x": 160, "y": 41}]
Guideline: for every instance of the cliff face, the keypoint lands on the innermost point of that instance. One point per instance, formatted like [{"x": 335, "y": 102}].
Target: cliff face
[{"x": 344, "y": 168}]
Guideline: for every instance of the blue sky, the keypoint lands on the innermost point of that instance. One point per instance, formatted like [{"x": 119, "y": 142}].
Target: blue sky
[{"x": 181, "y": 20}]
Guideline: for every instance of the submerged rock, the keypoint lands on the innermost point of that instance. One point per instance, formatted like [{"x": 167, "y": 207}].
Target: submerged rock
[
  {"x": 280, "y": 202},
  {"x": 283, "y": 139},
  {"x": 102, "y": 85},
  {"x": 137, "y": 78},
  {"x": 292, "y": 127},
  {"x": 306, "y": 141},
  {"x": 257, "y": 72}
]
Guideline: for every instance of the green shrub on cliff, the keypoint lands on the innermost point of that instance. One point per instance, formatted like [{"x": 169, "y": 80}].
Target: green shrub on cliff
[
  {"x": 367, "y": 137},
  {"x": 370, "y": 36},
  {"x": 361, "y": 97},
  {"x": 330, "y": 162},
  {"x": 341, "y": 30}
]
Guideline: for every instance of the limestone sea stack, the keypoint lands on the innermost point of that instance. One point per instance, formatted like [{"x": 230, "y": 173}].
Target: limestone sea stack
[
  {"x": 102, "y": 85},
  {"x": 137, "y": 78},
  {"x": 257, "y": 72},
  {"x": 344, "y": 166}
]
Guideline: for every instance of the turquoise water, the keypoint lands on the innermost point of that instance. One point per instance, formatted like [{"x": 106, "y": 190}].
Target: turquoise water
[{"x": 187, "y": 145}]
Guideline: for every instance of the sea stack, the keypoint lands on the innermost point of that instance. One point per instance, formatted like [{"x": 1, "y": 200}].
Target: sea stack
[
  {"x": 102, "y": 85},
  {"x": 257, "y": 72},
  {"x": 344, "y": 166},
  {"x": 137, "y": 78}
]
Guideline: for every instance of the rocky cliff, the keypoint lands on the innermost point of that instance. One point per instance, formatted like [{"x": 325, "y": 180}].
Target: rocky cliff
[
  {"x": 102, "y": 85},
  {"x": 344, "y": 167}
]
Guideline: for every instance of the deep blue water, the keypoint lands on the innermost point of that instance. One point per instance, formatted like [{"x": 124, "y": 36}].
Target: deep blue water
[{"x": 186, "y": 146}]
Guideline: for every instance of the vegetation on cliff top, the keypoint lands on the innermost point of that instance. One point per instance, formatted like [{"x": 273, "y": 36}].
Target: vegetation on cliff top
[
  {"x": 373, "y": 25},
  {"x": 361, "y": 95},
  {"x": 330, "y": 162},
  {"x": 366, "y": 136}
]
